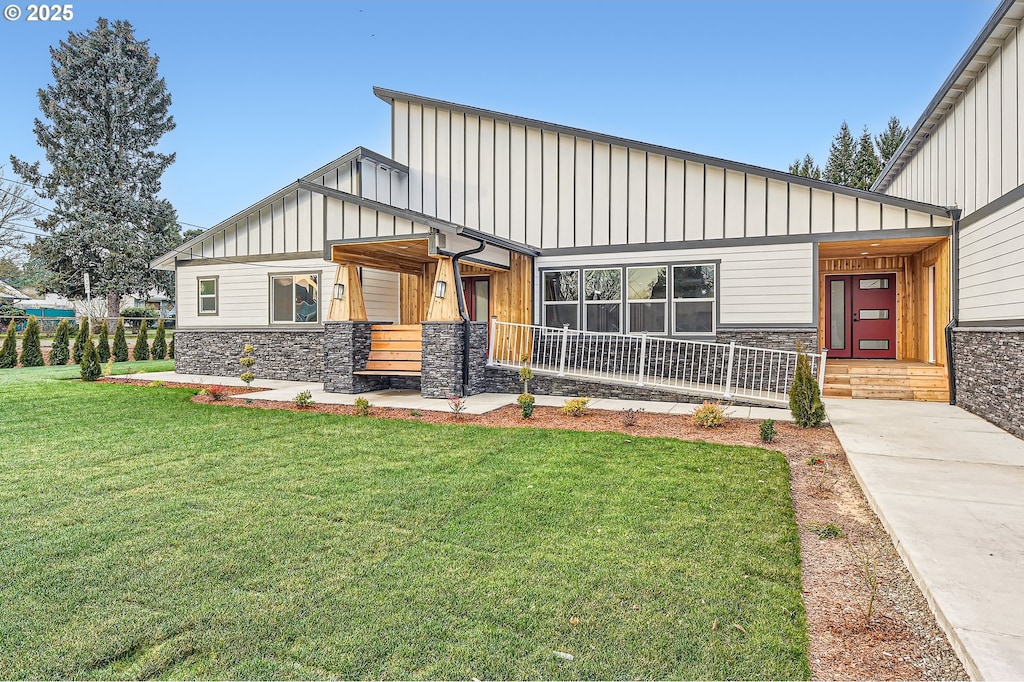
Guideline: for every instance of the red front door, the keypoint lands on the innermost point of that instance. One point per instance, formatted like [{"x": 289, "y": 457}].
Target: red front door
[
  {"x": 860, "y": 316},
  {"x": 478, "y": 297}
]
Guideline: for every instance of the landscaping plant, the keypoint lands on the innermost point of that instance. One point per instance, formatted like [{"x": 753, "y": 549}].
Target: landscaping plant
[
  {"x": 457, "y": 403},
  {"x": 108, "y": 369},
  {"x": 59, "y": 352},
  {"x": 9, "y": 351},
  {"x": 80, "y": 338},
  {"x": 103, "y": 344},
  {"x": 248, "y": 361},
  {"x": 709, "y": 415},
  {"x": 526, "y": 401},
  {"x": 766, "y": 429},
  {"x": 170, "y": 349},
  {"x": 526, "y": 376},
  {"x": 31, "y": 353},
  {"x": 362, "y": 407},
  {"x": 303, "y": 399},
  {"x": 630, "y": 416},
  {"x": 119, "y": 351},
  {"x": 576, "y": 407},
  {"x": 90, "y": 365},
  {"x": 159, "y": 349},
  {"x": 141, "y": 349},
  {"x": 804, "y": 395}
]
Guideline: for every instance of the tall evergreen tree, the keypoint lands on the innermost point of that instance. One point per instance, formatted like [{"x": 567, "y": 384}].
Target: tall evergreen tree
[
  {"x": 159, "y": 349},
  {"x": 839, "y": 168},
  {"x": 141, "y": 349},
  {"x": 80, "y": 339},
  {"x": 890, "y": 140},
  {"x": 806, "y": 168},
  {"x": 31, "y": 353},
  {"x": 119, "y": 351},
  {"x": 103, "y": 344},
  {"x": 865, "y": 163},
  {"x": 9, "y": 351},
  {"x": 59, "y": 350},
  {"x": 103, "y": 117}
]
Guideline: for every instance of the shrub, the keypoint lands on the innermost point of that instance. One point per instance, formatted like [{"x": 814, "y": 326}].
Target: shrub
[
  {"x": 31, "y": 353},
  {"x": 248, "y": 361},
  {"x": 804, "y": 395},
  {"x": 710, "y": 415},
  {"x": 103, "y": 345},
  {"x": 303, "y": 399},
  {"x": 215, "y": 392},
  {"x": 526, "y": 376},
  {"x": 140, "y": 351},
  {"x": 119, "y": 351},
  {"x": 108, "y": 368},
  {"x": 90, "y": 366},
  {"x": 526, "y": 402},
  {"x": 59, "y": 352},
  {"x": 363, "y": 407},
  {"x": 827, "y": 531},
  {"x": 457, "y": 403},
  {"x": 576, "y": 407},
  {"x": 156, "y": 384},
  {"x": 415, "y": 413},
  {"x": 80, "y": 338},
  {"x": 9, "y": 351},
  {"x": 159, "y": 349},
  {"x": 630, "y": 416},
  {"x": 137, "y": 312},
  {"x": 170, "y": 349},
  {"x": 767, "y": 430}
]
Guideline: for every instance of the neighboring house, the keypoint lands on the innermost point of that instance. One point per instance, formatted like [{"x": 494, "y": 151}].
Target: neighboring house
[
  {"x": 549, "y": 225},
  {"x": 10, "y": 294}
]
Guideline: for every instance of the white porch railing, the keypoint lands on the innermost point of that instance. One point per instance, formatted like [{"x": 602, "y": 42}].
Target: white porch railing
[{"x": 728, "y": 371}]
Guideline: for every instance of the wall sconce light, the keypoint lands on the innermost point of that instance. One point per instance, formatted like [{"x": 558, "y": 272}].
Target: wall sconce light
[
  {"x": 339, "y": 291},
  {"x": 439, "y": 288}
]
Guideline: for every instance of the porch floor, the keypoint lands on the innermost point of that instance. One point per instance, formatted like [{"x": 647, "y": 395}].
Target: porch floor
[{"x": 886, "y": 380}]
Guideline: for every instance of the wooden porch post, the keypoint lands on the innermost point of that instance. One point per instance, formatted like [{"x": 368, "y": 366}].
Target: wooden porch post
[
  {"x": 350, "y": 307},
  {"x": 446, "y": 307}
]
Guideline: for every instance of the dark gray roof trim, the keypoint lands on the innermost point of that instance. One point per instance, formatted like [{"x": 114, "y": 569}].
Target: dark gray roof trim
[
  {"x": 355, "y": 154},
  {"x": 958, "y": 70},
  {"x": 422, "y": 218},
  {"x": 390, "y": 96}
]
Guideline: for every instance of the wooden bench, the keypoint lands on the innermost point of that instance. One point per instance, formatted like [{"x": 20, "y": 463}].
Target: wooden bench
[{"x": 395, "y": 350}]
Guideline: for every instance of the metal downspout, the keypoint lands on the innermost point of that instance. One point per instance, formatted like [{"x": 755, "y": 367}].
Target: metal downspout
[
  {"x": 462, "y": 308},
  {"x": 954, "y": 292}
]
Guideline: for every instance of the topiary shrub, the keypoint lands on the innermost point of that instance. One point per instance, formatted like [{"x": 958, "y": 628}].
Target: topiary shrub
[
  {"x": 804, "y": 396},
  {"x": 31, "y": 353},
  {"x": 140, "y": 351},
  {"x": 80, "y": 339},
  {"x": 159, "y": 349},
  {"x": 9, "y": 351},
  {"x": 119, "y": 351},
  {"x": 90, "y": 365},
  {"x": 59, "y": 352},
  {"x": 103, "y": 345},
  {"x": 526, "y": 401}
]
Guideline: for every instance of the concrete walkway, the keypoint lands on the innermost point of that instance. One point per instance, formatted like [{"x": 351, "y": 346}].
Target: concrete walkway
[
  {"x": 285, "y": 391},
  {"x": 949, "y": 488}
]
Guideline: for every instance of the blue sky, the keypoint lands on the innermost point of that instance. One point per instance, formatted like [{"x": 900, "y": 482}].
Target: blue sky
[{"x": 264, "y": 92}]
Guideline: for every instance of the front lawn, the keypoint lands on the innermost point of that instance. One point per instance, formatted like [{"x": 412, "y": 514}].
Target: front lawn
[{"x": 144, "y": 535}]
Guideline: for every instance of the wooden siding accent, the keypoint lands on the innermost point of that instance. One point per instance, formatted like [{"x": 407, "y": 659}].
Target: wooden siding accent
[
  {"x": 400, "y": 255},
  {"x": 511, "y": 290},
  {"x": 445, "y": 308},
  {"x": 886, "y": 380},
  {"x": 395, "y": 350},
  {"x": 350, "y": 307}
]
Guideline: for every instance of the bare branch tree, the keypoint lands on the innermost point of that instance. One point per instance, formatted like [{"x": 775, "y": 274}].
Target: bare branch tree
[{"x": 16, "y": 213}]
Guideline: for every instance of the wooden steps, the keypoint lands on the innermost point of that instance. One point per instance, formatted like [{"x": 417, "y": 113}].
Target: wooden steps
[
  {"x": 395, "y": 350},
  {"x": 886, "y": 380}
]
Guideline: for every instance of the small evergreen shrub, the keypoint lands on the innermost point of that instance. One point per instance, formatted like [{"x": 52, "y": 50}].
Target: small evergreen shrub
[
  {"x": 90, "y": 366},
  {"x": 141, "y": 350},
  {"x": 248, "y": 361},
  {"x": 303, "y": 399},
  {"x": 159, "y": 349},
  {"x": 9, "y": 351},
  {"x": 526, "y": 401},
  {"x": 59, "y": 352},
  {"x": 31, "y": 352},
  {"x": 170, "y": 349},
  {"x": 103, "y": 344},
  {"x": 709, "y": 415},
  {"x": 362, "y": 407},
  {"x": 804, "y": 396},
  {"x": 767, "y": 430},
  {"x": 156, "y": 384},
  {"x": 108, "y": 368},
  {"x": 80, "y": 338},
  {"x": 576, "y": 407},
  {"x": 119, "y": 351}
]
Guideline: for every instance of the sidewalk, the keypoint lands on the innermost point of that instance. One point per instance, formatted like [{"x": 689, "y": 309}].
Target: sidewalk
[{"x": 949, "y": 488}]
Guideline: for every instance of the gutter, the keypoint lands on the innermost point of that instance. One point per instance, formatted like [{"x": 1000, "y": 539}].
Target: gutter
[
  {"x": 954, "y": 292},
  {"x": 463, "y": 313}
]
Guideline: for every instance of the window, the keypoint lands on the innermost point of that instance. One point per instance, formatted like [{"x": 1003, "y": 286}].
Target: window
[
  {"x": 602, "y": 300},
  {"x": 207, "y": 295},
  {"x": 561, "y": 298},
  {"x": 646, "y": 290},
  {"x": 693, "y": 299},
  {"x": 294, "y": 298}
]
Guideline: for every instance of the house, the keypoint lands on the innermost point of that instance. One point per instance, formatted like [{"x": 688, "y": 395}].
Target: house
[{"x": 591, "y": 257}]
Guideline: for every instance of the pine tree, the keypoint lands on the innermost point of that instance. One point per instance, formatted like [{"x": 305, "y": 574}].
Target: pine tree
[
  {"x": 31, "y": 353},
  {"x": 141, "y": 349},
  {"x": 839, "y": 168},
  {"x": 103, "y": 116},
  {"x": 865, "y": 163},
  {"x": 80, "y": 339},
  {"x": 90, "y": 368},
  {"x": 890, "y": 140},
  {"x": 170, "y": 349},
  {"x": 9, "y": 351},
  {"x": 103, "y": 345},
  {"x": 804, "y": 396},
  {"x": 159, "y": 349},
  {"x": 59, "y": 350},
  {"x": 119, "y": 351},
  {"x": 806, "y": 168}
]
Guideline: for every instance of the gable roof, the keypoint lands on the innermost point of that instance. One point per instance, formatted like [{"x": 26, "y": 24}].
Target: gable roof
[
  {"x": 1003, "y": 21},
  {"x": 10, "y": 292}
]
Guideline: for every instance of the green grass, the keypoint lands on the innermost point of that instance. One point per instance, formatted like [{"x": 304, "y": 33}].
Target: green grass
[
  {"x": 31, "y": 375},
  {"x": 146, "y": 536}
]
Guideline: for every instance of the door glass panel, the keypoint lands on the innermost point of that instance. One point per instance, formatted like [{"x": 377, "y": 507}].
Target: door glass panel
[
  {"x": 481, "y": 289},
  {"x": 882, "y": 283},
  {"x": 873, "y": 344},
  {"x": 874, "y": 314},
  {"x": 837, "y": 321}
]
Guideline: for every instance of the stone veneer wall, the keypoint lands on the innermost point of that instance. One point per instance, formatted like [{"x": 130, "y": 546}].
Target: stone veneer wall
[
  {"x": 989, "y": 365},
  {"x": 442, "y": 359},
  {"x": 776, "y": 339},
  {"x": 346, "y": 350},
  {"x": 292, "y": 354}
]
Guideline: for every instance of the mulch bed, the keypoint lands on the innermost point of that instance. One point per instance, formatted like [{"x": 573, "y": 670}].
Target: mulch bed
[{"x": 900, "y": 642}]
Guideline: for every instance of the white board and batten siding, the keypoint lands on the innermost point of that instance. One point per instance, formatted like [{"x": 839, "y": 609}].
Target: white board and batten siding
[
  {"x": 243, "y": 291},
  {"x": 759, "y": 286},
  {"x": 992, "y": 267},
  {"x": 550, "y": 189}
]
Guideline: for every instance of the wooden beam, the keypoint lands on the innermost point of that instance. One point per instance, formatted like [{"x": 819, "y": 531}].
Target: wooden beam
[
  {"x": 445, "y": 309},
  {"x": 350, "y": 306}
]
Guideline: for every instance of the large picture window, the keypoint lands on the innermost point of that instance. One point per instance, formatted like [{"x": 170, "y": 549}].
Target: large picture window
[
  {"x": 208, "y": 295},
  {"x": 602, "y": 300},
  {"x": 647, "y": 299},
  {"x": 693, "y": 299},
  {"x": 562, "y": 298},
  {"x": 294, "y": 298}
]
